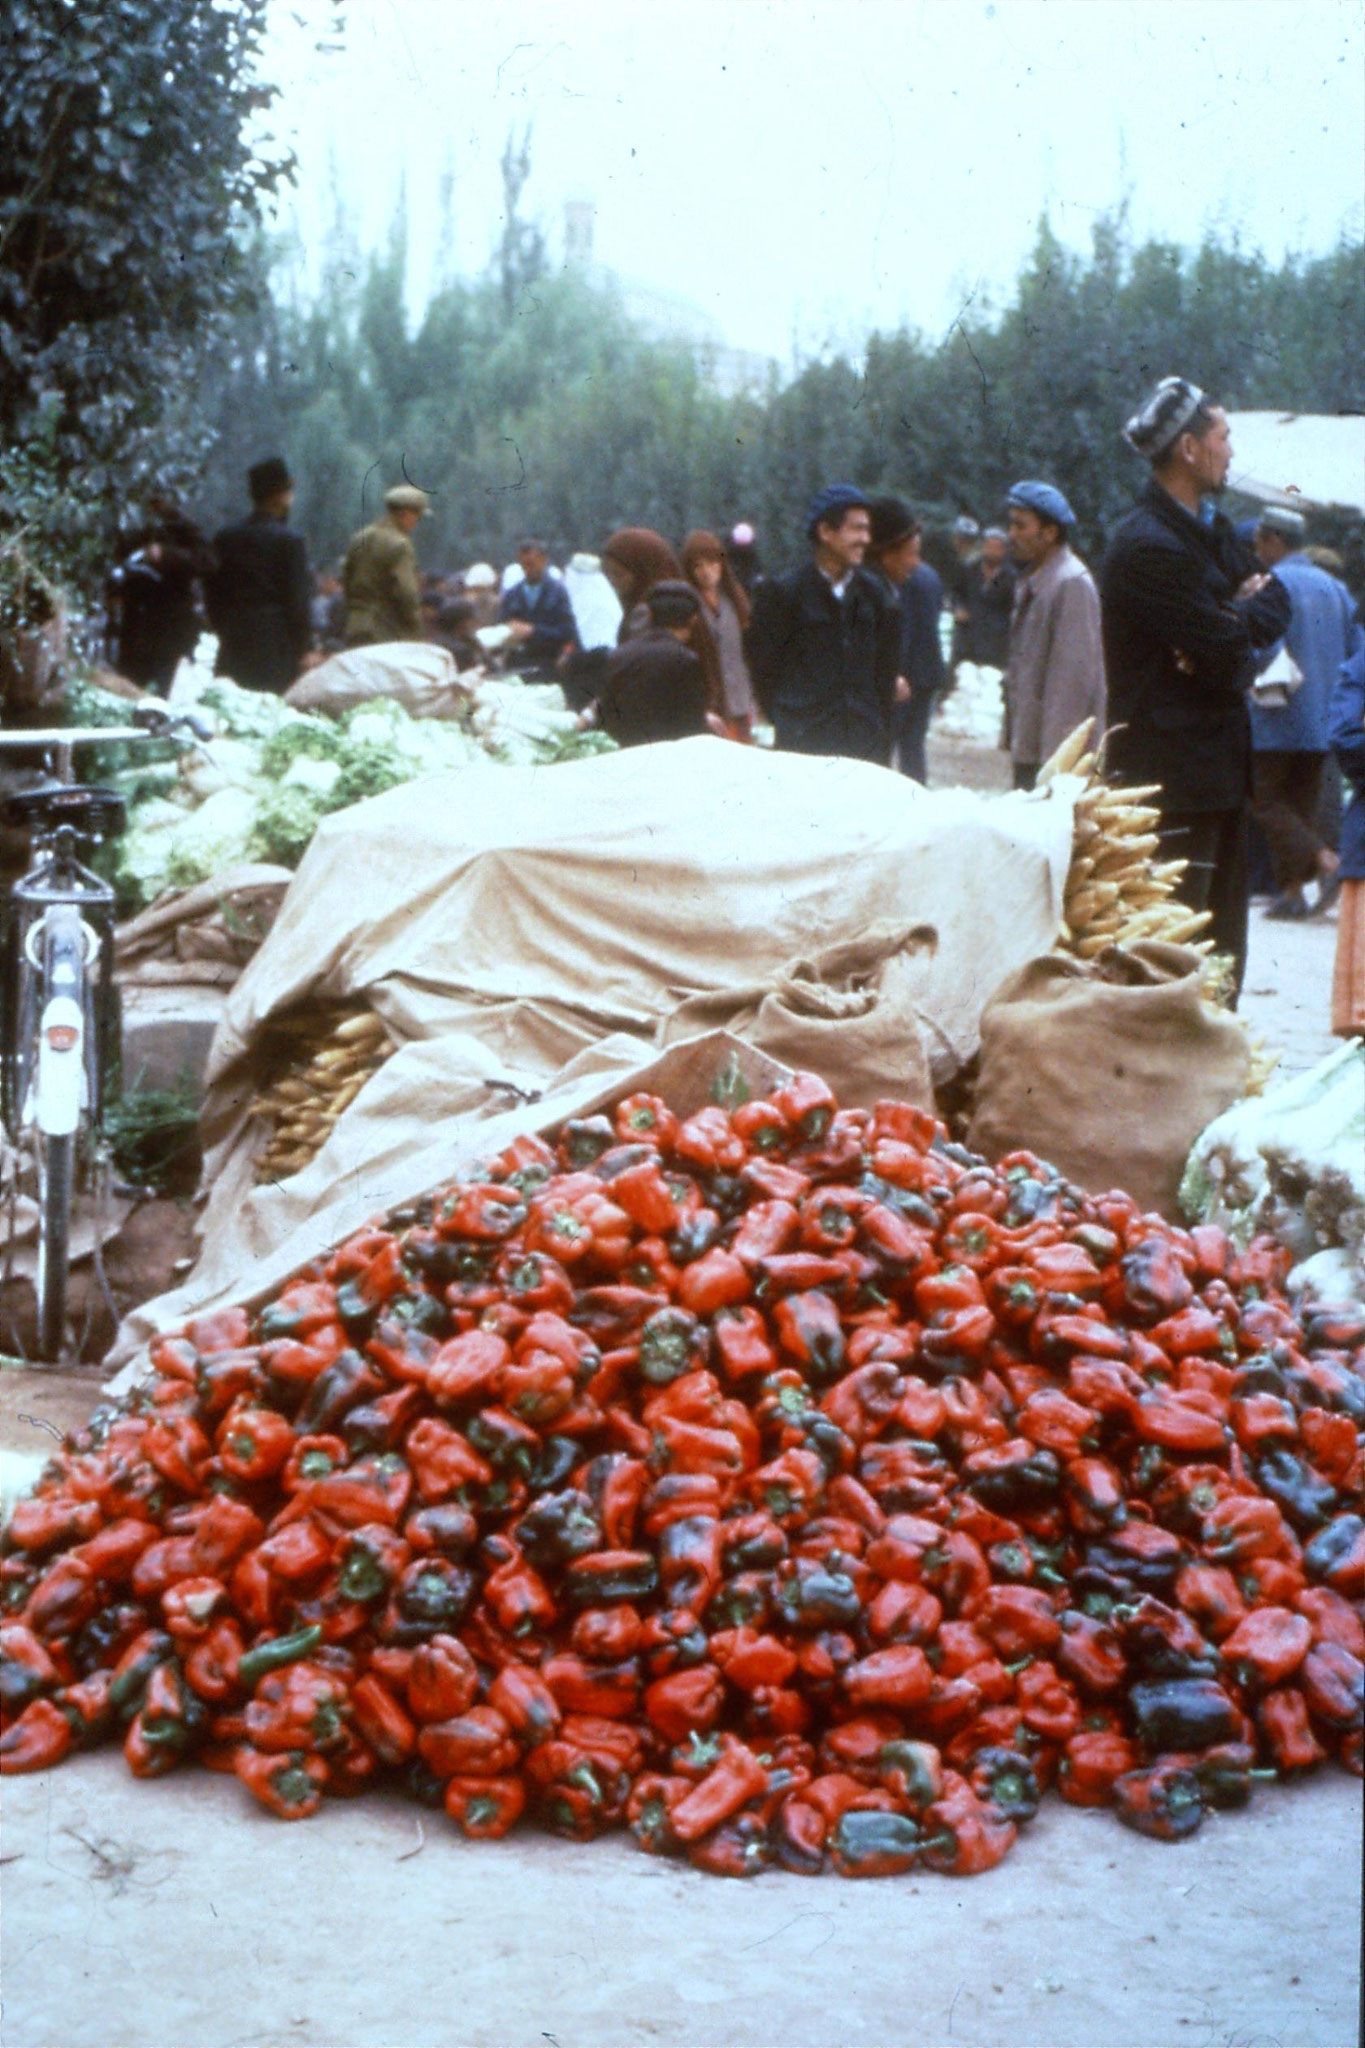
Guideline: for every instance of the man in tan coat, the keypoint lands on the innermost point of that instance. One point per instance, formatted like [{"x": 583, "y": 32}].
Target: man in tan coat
[
  {"x": 1055, "y": 675},
  {"x": 383, "y": 595}
]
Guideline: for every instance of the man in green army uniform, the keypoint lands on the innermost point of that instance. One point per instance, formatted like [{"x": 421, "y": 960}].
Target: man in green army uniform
[{"x": 383, "y": 597}]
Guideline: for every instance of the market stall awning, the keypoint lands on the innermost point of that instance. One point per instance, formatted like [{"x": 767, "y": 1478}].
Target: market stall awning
[{"x": 1304, "y": 458}]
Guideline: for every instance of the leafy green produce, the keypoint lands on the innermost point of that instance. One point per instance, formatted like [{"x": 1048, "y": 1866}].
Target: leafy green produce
[
  {"x": 261, "y": 786},
  {"x": 285, "y": 822},
  {"x": 154, "y": 1133}
]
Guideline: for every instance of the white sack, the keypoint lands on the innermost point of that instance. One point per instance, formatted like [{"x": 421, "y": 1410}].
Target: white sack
[{"x": 417, "y": 674}]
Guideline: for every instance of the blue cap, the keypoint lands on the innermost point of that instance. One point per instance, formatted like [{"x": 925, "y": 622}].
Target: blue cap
[
  {"x": 831, "y": 503},
  {"x": 1044, "y": 499}
]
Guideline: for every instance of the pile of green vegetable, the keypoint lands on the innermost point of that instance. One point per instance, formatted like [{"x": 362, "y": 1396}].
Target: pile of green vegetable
[{"x": 260, "y": 787}]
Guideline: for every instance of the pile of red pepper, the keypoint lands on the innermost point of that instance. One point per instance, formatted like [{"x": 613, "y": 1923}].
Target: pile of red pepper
[{"x": 783, "y": 1484}]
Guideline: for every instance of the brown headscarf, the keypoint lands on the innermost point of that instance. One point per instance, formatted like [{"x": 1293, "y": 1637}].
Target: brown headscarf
[
  {"x": 648, "y": 559},
  {"x": 702, "y": 546}
]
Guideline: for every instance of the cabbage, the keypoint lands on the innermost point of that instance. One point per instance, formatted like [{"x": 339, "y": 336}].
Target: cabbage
[
  {"x": 307, "y": 772},
  {"x": 214, "y": 837},
  {"x": 247, "y": 714},
  {"x": 260, "y": 788},
  {"x": 313, "y": 737},
  {"x": 220, "y": 764},
  {"x": 285, "y": 821}
]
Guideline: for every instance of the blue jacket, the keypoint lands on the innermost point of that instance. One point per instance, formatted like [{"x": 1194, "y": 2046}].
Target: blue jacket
[
  {"x": 1322, "y": 634},
  {"x": 548, "y": 609},
  {"x": 921, "y": 597},
  {"x": 1346, "y": 736}
]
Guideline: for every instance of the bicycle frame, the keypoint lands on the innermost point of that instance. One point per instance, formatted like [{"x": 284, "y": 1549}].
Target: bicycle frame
[
  {"x": 59, "y": 1020},
  {"x": 59, "y": 952}
]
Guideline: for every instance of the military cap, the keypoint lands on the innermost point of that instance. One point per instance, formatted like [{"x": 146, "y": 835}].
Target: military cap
[{"x": 406, "y": 498}]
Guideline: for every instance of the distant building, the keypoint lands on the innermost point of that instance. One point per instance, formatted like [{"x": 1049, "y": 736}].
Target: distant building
[{"x": 666, "y": 316}]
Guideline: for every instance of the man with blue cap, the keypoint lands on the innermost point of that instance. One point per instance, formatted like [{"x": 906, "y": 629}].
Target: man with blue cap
[
  {"x": 1289, "y": 714},
  {"x": 1186, "y": 610},
  {"x": 1054, "y": 677},
  {"x": 823, "y": 643}
]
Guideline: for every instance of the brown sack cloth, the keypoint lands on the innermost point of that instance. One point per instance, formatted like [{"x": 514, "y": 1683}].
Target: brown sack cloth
[
  {"x": 1109, "y": 1069},
  {"x": 847, "y": 1012},
  {"x": 205, "y": 934}
]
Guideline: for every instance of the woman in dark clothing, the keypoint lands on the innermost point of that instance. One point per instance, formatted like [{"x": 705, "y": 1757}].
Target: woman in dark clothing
[
  {"x": 725, "y": 608},
  {"x": 634, "y": 560}
]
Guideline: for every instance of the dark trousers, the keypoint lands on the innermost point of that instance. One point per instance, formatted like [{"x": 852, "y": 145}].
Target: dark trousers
[
  {"x": 1026, "y": 774},
  {"x": 910, "y": 732},
  {"x": 1286, "y": 791},
  {"x": 1217, "y": 878}
]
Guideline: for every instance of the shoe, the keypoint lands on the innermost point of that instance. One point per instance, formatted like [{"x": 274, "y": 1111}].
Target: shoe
[
  {"x": 1329, "y": 888},
  {"x": 1289, "y": 907}
]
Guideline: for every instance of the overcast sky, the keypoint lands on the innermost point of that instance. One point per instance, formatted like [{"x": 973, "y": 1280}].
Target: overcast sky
[{"x": 807, "y": 169}]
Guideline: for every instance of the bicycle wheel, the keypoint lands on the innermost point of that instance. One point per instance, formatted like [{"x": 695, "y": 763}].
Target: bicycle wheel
[{"x": 56, "y": 1188}]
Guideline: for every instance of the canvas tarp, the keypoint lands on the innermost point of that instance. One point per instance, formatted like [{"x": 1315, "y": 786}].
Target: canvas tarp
[
  {"x": 502, "y": 921},
  {"x": 597, "y": 887}
]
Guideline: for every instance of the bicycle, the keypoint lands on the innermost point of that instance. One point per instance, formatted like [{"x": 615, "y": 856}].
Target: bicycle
[{"x": 59, "y": 1018}]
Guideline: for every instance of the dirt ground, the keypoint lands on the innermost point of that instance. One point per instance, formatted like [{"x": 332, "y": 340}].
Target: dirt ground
[{"x": 143, "y": 1915}]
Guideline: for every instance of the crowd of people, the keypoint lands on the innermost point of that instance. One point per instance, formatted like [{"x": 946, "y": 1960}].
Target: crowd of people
[{"x": 1224, "y": 662}]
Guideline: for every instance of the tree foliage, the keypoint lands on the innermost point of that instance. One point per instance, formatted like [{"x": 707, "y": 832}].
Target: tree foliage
[
  {"x": 128, "y": 171},
  {"x": 527, "y": 399}
]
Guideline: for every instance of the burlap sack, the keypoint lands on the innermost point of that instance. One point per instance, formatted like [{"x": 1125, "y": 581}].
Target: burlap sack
[
  {"x": 849, "y": 1012},
  {"x": 1110, "y": 1069},
  {"x": 202, "y": 935},
  {"x": 414, "y": 673}
]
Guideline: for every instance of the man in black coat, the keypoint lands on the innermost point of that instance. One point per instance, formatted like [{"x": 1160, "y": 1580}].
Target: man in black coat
[
  {"x": 823, "y": 644},
  {"x": 260, "y": 593},
  {"x": 1184, "y": 614},
  {"x": 153, "y": 595},
  {"x": 655, "y": 687}
]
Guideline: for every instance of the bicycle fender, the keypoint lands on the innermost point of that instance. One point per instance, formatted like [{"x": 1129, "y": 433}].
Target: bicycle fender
[{"x": 60, "y": 1093}]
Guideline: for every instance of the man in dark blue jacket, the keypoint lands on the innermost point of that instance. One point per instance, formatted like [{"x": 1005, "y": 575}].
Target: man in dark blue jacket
[
  {"x": 540, "y": 613},
  {"x": 259, "y": 595},
  {"x": 1184, "y": 614},
  {"x": 1289, "y": 738},
  {"x": 894, "y": 559},
  {"x": 823, "y": 644}
]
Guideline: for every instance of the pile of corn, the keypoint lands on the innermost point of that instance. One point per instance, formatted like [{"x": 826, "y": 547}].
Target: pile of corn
[
  {"x": 323, "y": 1060},
  {"x": 1116, "y": 891}
]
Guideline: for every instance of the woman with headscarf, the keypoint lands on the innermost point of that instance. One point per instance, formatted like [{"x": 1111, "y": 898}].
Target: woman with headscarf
[
  {"x": 634, "y": 560},
  {"x": 725, "y": 608}
]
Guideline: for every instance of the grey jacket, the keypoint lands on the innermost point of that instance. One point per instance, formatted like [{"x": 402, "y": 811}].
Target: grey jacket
[{"x": 1055, "y": 674}]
